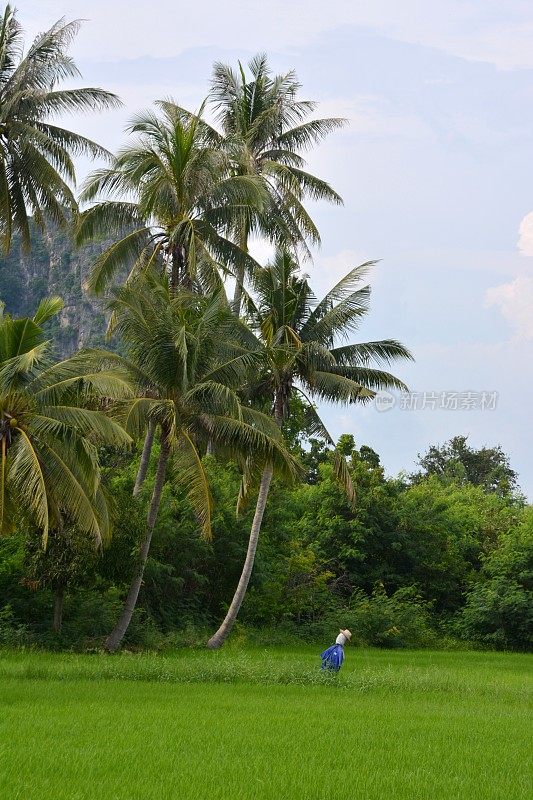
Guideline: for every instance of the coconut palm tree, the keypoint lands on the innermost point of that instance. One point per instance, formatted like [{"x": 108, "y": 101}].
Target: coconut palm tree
[
  {"x": 182, "y": 354},
  {"x": 265, "y": 130},
  {"x": 48, "y": 443},
  {"x": 167, "y": 196},
  {"x": 36, "y": 167},
  {"x": 298, "y": 338}
]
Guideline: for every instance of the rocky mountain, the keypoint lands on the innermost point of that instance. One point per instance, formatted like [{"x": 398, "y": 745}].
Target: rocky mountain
[{"x": 54, "y": 266}]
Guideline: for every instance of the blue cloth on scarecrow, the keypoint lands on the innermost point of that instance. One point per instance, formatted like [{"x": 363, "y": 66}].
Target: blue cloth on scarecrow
[{"x": 333, "y": 657}]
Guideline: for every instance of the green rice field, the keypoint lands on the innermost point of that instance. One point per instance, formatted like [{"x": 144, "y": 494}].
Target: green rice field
[{"x": 262, "y": 724}]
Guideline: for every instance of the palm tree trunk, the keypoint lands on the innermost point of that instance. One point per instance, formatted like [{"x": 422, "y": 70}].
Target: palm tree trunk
[
  {"x": 220, "y": 636},
  {"x": 115, "y": 637},
  {"x": 237, "y": 295},
  {"x": 57, "y": 620},
  {"x": 145, "y": 458},
  {"x": 239, "y": 275},
  {"x": 179, "y": 275}
]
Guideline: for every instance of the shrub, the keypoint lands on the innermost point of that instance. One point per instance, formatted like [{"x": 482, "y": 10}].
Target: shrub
[
  {"x": 401, "y": 620},
  {"x": 12, "y": 633},
  {"x": 499, "y": 608}
]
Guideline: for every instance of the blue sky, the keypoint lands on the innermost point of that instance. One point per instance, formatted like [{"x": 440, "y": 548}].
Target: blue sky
[{"x": 436, "y": 171}]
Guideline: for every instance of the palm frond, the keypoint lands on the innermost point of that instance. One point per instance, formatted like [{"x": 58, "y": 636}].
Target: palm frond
[
  {"x": 105, "y": 219},
  {"x": 119, "y": 256},
  {"x": 69, "y": 491},
  {"x": 190, "y": 474},
  {"x": 338, "y": 389},
  {"x": 342, "y": 474},
  {"x": 304, "y": 136},
  {"x": 48, "y": 307},
  {"x": 362, "y": 353},
  {"x": 27, "y": 476},
  {"x": 89, "y": 423}
]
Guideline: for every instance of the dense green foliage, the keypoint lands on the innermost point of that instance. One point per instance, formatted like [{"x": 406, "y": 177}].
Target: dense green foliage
[
  {"x": 262, "y": 724},
  {"x": 128, "y": 476},
  {"x": 441, "y": 556},
  {"x": 488, "y": 467},
  {"x": 49, "y": 470},
  {"x": 413, "y": 564}
]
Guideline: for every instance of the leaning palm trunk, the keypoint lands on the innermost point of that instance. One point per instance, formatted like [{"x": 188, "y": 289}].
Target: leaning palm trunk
[
  {"x": 223, "y": 632},
  {"x": 218, "y": 638},
  {"x": 145, "y": 458},
  {"x": 115, "y": 638}
]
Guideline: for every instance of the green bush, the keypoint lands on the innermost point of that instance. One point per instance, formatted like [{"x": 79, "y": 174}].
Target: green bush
[
  {"x": 499, "y": 608},
  {"x": 401, "y": 620},
  {"x": 12, "y": 633}
]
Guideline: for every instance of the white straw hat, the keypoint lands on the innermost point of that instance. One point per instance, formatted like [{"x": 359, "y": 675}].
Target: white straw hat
[{"x": 346, "y": 633}]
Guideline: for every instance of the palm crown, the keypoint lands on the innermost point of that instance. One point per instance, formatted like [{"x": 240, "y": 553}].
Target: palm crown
[
  {"x": 299, "y": 334},
  {"x": 267, "y": 128},
  {"x": 300, "y": 340},
  {"x": 265, "y": 131},
  {"x": 36, "y": 167},
  {"x": 294, "y": 339},
  {"x": 48, "y": 442},
  {"x": 188, "y": 369},
  {"x": 173, "y": 192}
]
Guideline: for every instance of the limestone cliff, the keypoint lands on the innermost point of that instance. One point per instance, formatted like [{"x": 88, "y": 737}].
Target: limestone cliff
[{"x": 54, "y": 266}]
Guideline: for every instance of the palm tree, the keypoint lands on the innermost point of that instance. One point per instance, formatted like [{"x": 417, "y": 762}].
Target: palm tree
[
  {"x": 298, "y": 339},
  {"x": 48, "y": 443},
  {"x": 181, "y": 352},
  {"x": 36, "y": 167},
  {"x": 171, "y": 191},
  {"x": 265, "y": 130}
]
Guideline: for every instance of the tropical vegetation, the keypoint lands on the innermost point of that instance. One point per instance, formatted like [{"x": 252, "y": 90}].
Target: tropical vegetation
[
  {"x": 128, "y": 471},
  {"x": 37, "y": 172},
  {"x": 49, "y": 468},
  {"x": 182, "y": 350},
  {"x": 295, "y": 334}
]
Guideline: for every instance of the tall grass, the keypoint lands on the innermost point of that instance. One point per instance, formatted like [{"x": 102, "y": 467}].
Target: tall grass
[
  {"x": 256, "y": 724},
  {"x": 365, "y": 670}
]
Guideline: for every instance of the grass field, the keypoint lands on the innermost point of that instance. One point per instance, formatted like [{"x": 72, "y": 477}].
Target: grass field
[{"x": 246, "y": 724}]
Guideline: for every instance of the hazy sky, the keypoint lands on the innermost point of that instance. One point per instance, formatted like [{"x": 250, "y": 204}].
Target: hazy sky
[{"x": 436, "y": 171}]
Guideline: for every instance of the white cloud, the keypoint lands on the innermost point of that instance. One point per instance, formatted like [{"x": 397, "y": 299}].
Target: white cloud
[
  {"x": 515, "y": 298},
  {"x": 515, "y": 301},
  {"x": 508, "y": 47},
  {"x": 525, "y": 235}
]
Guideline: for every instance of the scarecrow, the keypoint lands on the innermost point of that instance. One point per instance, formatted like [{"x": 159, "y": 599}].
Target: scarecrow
[{"x": 333, "y": 657}]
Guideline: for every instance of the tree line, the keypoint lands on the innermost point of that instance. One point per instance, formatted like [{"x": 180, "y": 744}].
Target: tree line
[{"x": 218, "y": 395}]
